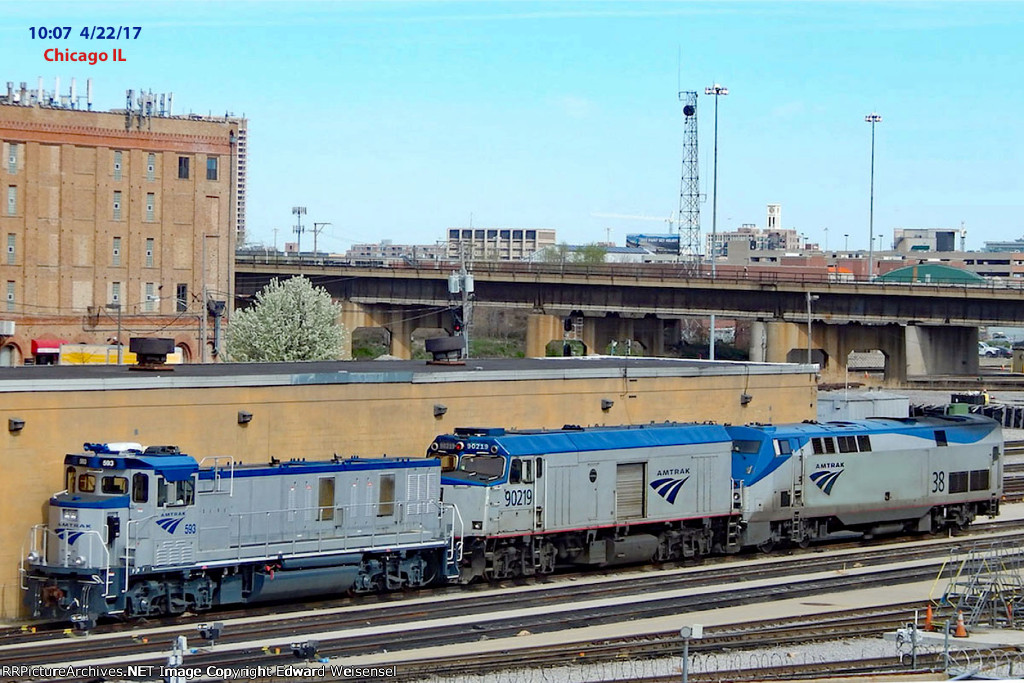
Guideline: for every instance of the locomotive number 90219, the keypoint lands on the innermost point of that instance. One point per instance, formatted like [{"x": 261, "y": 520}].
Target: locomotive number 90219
[{"x": 518, "y": 497}]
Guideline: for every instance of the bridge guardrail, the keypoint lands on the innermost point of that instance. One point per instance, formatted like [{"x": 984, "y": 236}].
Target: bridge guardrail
[{"x": 658, "y": 271}]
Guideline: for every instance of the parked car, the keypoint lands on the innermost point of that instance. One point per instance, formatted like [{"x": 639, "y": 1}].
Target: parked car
[{"x": 986, "y": 350}]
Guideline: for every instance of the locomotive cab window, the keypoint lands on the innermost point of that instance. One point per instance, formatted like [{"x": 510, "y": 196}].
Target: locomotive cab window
[
  {"x": 515, "y": 471},
  {"x": 782, "y": 447},
  {"x": 175, "y": 493},
  {"x": 486, "y": 466},
  {"x": 86, "y": 483},
  {"x": 69, "y": 480},
  {"x": 115, "y": 485},
  {"x": 140, "y": 488}
]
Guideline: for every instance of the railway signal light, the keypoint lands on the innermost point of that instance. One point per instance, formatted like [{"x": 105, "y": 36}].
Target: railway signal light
[{"x": 457, "y": 317}]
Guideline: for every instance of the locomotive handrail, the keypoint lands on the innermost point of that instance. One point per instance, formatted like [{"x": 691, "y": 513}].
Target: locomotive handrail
[
  {"x": 216, "y": 473},
  {"x": 33, "y": 536},
  {"x": 455, "y": 547}
]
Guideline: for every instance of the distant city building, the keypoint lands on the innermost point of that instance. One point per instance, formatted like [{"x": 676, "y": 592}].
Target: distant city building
[
  {"x": 497, "y": 244},
  {"x": 908, "y": 240},
  {"x": 749, "y": 237},
  {"x": 385, "y": 250},
  {"x": 1016, "y": 245}
]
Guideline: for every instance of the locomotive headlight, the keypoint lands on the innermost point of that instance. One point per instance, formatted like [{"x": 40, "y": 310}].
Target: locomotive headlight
[
  {"x": 79, "y": 561},
  {"x": 69, "y": 515}
]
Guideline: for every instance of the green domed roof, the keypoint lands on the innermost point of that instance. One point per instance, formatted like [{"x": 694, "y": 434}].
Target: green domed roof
[{"x": 931, "y": 273}]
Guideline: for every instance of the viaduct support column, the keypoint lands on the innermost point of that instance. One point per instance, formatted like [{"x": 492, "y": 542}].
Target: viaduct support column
[
  {"x": 650, "y": 332},
  {"x": 541, "y": 329},
  {"x": 945, "y": 350},
  {"x": 353, "y": 316},
  {"x": 400, "y": 329}
]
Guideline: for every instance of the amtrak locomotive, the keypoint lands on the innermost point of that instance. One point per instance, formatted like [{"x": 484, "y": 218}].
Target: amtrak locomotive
[
  {"x": 148, "y": 532},
  {"x": 141, "y": 532},
  {"x": 531, "y": 501}
]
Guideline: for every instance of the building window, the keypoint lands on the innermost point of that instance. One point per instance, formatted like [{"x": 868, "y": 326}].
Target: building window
[
  {"x": 151, "y": 167},
  {"x": 150, "y": 206},
  {"x": 11, "y": 241},
  {"x": 183, "y": 168},
  {"x": 10, "y": 295},
  {"x": 117, "y": 205},
  {"x": 12, "y": 158},
  {"x": 12, "y": 200},
  {"x": 211, "y": 168},
  {"x": 115, "y": 256},
  {"x": 115, "y": 293},
  {"x": 117, "y": 165},
  {"x": 181, "y": 297},
  {"x": 148, "y": 305}
]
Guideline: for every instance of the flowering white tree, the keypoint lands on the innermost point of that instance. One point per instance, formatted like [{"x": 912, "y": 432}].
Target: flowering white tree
[{"x": 291, "y": 320}]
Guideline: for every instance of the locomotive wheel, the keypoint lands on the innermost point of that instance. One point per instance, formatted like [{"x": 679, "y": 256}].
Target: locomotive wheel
[
  {"x": 804, "y": 543},
  {"x": 766, "y": 546}
]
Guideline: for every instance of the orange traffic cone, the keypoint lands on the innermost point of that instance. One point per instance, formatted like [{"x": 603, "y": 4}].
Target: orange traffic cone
[
  {"x": 928, "y": 625},
  {"x": 961, "y": 630}
]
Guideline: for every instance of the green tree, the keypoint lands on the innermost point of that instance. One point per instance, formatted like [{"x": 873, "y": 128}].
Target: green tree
[
  {"x": 557, "y": 253},
  {"x": 291, "y": 320},
  {"x": 590, "y": 253}
]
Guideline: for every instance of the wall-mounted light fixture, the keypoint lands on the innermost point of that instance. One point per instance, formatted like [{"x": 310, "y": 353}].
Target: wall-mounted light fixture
[
  {"x": 606, "y": 404},
  {"x": 440, "y": 409},
  {"x": 244, "y": 417},
  {"x": 15, "y": 424},
  {"x": 745, "y": 398}
]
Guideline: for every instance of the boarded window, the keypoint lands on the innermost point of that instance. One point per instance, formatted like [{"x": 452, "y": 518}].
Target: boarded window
[
  {"x": 326, "y": 499},
  {"x": 386, "y": 496},
  {"x": 117, "y": 165},
  {"x": 151, "y": 167}
]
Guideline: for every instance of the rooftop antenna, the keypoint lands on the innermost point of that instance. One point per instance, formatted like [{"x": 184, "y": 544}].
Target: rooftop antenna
[
  {"x": 298, "y": 211},
  {"x": 689, "y": 191},
  {"x": 963, "y": 237}
]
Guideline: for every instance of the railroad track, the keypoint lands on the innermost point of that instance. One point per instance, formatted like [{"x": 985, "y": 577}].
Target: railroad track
[{"x": 361, "y": 630}]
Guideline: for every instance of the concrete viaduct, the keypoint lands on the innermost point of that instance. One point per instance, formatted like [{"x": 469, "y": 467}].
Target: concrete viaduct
[{"x": 922, "y": 329}]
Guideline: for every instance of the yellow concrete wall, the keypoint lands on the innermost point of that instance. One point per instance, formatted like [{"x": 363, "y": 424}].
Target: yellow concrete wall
[{"x": 318, "y": 420}]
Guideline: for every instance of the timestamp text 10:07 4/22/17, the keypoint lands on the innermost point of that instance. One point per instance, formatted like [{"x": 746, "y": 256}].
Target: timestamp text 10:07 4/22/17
[{"x": 89, "y": 32}]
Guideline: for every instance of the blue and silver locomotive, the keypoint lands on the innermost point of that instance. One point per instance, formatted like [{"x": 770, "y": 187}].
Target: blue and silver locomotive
[
  {"x": 801, "y": 482},
  {"x": 531, "y": 501},
  {"x": 142, "y": 532}
]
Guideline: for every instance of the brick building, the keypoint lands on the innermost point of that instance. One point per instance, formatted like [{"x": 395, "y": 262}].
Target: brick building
[{"x": 117, "y": 221}]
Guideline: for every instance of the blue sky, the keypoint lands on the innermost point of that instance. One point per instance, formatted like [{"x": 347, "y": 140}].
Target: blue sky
[{"x": 398, "y": 119}]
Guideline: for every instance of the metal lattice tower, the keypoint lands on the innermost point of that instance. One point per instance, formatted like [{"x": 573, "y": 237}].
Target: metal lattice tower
[{"x": 689, "y": 191}]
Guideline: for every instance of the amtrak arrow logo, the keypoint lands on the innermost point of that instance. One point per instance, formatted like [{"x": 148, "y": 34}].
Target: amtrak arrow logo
[
  {"x": 668, "y": 488},
  {"x": 825, "y": 480},
  {"x": 69, "y": 535},
  {"x": 169, "y": 524}
]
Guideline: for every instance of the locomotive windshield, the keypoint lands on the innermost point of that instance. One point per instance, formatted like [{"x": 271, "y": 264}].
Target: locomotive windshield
[
  {"x": 485, "y": 466},
  {"x": 745, "y": 446}
]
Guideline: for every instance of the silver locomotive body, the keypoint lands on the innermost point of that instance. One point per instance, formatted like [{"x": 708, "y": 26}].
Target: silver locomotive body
[
  {"x": 802, "y": 482},
  {"x": 153, "y": 532},
  {"x": 532, "y": 501}
]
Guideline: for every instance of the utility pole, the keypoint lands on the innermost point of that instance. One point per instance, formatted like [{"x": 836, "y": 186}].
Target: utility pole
[{"x": 317, "y": 229}]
